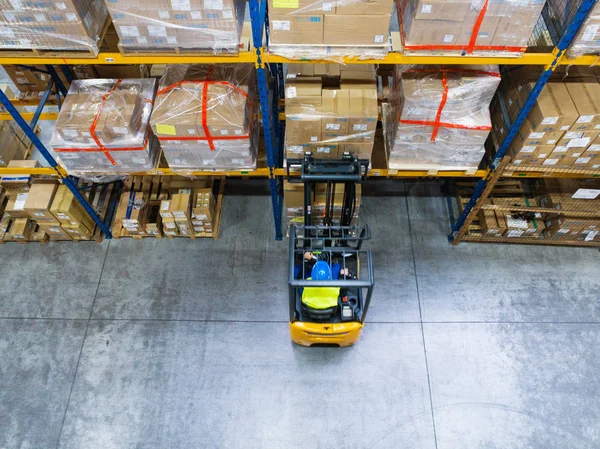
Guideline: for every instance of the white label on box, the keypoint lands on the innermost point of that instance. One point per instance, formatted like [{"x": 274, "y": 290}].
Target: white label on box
[
  {"x": 448, "y": 38},
  {"x": 516, "y": 223},
  {"x": 323, "y": 150},
  {"x": 296, "y": 148},
  {"x": 213, "y": 4},
  {"x": 20, "y": 201},
  {"x": 560, "y": 149},
  {"x": 327, "y": 7},
  {"x": 172, "y": 39},
  {"x": 290, "y": 92},
  {"x": 224, "y": 132},
  {"x": 129, "y": 31},
  {"x": 574, "y": 135},
  {"x": 514, "y": 233},
  {"x": 86, "y": 134},
  {"x": 583, "y": 160},
  {"x": 564, "y": 128},
  {"x": 17, "y": 4},
  {"x": 594, "y": 147},
  {"x": 550, "y": 121},
  {"x": 10, "y": 17},
  {"x": 70, "y": 132},
  {"x": 517, "y": 161},
  {"x": 576, "y": 155},
  {"x": 542, "y": 155},
  {"x": 165, "y": 205},
  {"x": 527, "y": 149},
  {"x": 18, "y": 236},
  {"x": 579, "y": 143},
  {"x": 191, "y": 131},
  {"x": 39, "y": 214},
  {"x": 585, "y": 119},
  {"x": 536, "y": 135},
  {"x": 165, "y": 15},
  {"x": 551, "y": 142},
  {"x": 589, "y": 33},
  {"x": 227, "y": 14},
  {"x": 378, "y": 38},
  {"x": 22, "y": 80},
  {"x": 181, "y": 5},
  {"x": 281, "y": 25},
  {"x": 332, "y": 126},
  {"x": 590, "y": 236},
  {"x": 60, "y": 5},
  {"x": 142, "y": 39},
  {"x": 584, "y": 194},
  {"x": 314, "y": 138},
  {"x": 196, "y": 15},
  {"x": 157, "y": 30},
  {"x": 120, "y": 130},
  {"x": 169, "y": 225},
  {"x": 550, "y": 162},
  {"x": 238, "y": 132},
  {"x": 40, "y": 17},
  {"x": 71, "y": 17},
  {"x": 426, "y": 9},
  {"x": 88, "y": 20},
  {"x": 178, "y": 214},
  {"x": 18, "y": 72},
  {"x": 202, "y": 217},
  {"x": 291, "y": 75}
]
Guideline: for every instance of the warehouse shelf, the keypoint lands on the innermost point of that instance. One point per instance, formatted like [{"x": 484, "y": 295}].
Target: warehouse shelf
[
  {"x": 521, "y": 171},
  {"x": 527, "y": 241},
  {"x": 4, "y": 116}
]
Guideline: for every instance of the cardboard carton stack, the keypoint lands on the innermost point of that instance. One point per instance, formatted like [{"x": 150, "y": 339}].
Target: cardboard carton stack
[
  {"x": 294, "y": 204},
  {"x": 64, "y": 25},
  {"x": 41, "y": 210},
  {"x": 167, "y": 25},
  {"x": 330, "y": 111},
  {"x": 563, "y": 128},
  {"x": 205, "y": 117},
  {"x": 310, "y": 22},
  {"x": 103, "y": 127},
  {"x": 448, "y": 27},
  {"x": 439, "y": 119},
  {"x": 14, "y": 145},
  {"x": 28, "y": 80}
]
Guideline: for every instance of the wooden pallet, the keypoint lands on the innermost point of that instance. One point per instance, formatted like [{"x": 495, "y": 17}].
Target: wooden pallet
[{"x": 57, "y": 53}]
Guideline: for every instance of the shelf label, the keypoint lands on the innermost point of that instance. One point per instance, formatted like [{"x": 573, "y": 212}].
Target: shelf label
[{"x": 586, "y": 194}]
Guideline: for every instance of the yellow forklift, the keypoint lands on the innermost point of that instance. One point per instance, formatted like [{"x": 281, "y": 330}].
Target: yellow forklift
[{"x": 330, "y": 275}]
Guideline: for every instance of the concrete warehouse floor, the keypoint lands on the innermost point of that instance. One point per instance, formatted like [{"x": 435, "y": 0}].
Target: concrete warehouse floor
[{"x": 181, "y": 344}]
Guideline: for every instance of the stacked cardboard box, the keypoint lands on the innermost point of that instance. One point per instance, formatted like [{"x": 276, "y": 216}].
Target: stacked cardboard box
[
  {"x": 439, "y": 119},
  {"x": 205, "y": 117},
  {"x": 330, "y": 111},
  {"x": 201, "y": 25},
  {"x": 563, "y": 128},
  {"x": 64, "y": 25},
  {"x": 327, "y": 22},
  {"x": 28, "y": 80},
  {"x": 103, "y": 127},
  {"x": 294, "y": 203},
  {"x": 443, "y": 26},
  {"x": 14, "y": 145},
  {"x": 203, "y": 211},
  {"x": 504, "y": 222}
]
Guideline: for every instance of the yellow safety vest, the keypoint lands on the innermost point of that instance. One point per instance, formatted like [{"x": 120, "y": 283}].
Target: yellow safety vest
[{"x": 320, "y": 297}]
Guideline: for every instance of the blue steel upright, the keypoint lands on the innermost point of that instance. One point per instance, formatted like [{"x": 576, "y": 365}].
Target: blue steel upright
[
  {"x": 44, "y": 151},
  {"x": 258, "y": 14},
  {"x": 559, "y": 51}
]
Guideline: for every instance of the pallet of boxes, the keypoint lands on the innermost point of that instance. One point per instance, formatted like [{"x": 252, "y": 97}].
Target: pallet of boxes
[
  {"x": 178, "y": 26},
  {"x": 314, "y": 29},
  {"x": 157, "y": 206},
  {"x": 42, "y": 27},
  {"x": 562, "y": 130},
  {"x": 482, "y": 27},
  {"x": 41, "y": 210},
  {"x": 438, "y": 118}
]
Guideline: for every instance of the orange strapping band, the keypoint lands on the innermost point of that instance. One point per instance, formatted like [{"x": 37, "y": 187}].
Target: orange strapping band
[
  {"x": 438, "y": 116},
  {"x": 205, "y": 85},
  {"x": 95, "y": 123}
]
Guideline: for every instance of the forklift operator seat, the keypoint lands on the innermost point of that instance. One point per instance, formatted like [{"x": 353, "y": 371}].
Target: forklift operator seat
[{"x": 320, "y": 302}]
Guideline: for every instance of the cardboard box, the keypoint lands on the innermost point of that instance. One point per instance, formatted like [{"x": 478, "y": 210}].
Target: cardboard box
[
  {"x": 433, "y": 32},
  {"x": 15, "y": 206},
  {"x": 553, "y": 109},
  {"x": 279, "y": 7},
  {"x": 294, "y": 29},
  {"x": 131, "y": 211},
  {"x": 491, "y": 223},
  {"x": 585, "y": 93},
  {"x": 293, "y": 194},
  {"x": 204, "y": 205},
  {"x": 363, "y": 110},
  {"x": 302, "y": 127},
  {"x": 325, "y": 150},
  {"x": 365, "y": 7},
  {"x": 335, "y": 107},
  {"x": 360, "y": 150},
  {"x": 55, "y": 232},
  {"x": 39, "y": 201},
  {"x": 456, "y": 10},
  {"x": 68, "y": 211},
  {"x": 22, "y": 229},
  {"x": 578, "y": 139},
  {"x": 80, "y": 232},
  {"x": 366, "y": 30},
  {"x": 18, "y": 182},
  {"x": 306, "y": 91}
]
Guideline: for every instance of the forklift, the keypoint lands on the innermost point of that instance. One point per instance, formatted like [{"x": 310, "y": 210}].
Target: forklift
[{"x": 330, "y": 275}]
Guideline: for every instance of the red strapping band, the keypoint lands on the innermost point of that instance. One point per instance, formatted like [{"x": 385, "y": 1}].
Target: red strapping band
[
  {"x": 95, "y": 122},
  {"x": 205, "y": 85},
  {"x": 438, "y": 116},
  {"x": 467, "y": 48}
]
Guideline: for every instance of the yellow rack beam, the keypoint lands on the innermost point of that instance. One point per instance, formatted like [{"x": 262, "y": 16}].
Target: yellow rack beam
[
  {"x": 27, "y": 171},
  {"x": 259, "y": 172},
  {"x": 28, "y": 116}
]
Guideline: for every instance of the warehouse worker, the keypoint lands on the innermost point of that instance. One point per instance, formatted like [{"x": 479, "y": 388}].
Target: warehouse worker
[{"x": 322, "y": 297}]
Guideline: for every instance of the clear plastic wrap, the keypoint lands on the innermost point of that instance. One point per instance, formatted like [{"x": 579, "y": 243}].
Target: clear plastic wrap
[
  {"x": 319, "y": 29},
  {"x": 330, "y": 112},
  {"x": 483, "y": 27},
  {"x": 102, "y": 127},
  {"x": 65, "y": 25},
  {"x": 205, "y": 117},
  {"x": 587, "y": 40},
  {"x": 211, "y": 26},
  {"x": 439, "y": 118}
]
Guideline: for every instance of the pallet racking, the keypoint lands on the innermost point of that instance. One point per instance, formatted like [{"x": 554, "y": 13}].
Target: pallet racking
[{"x": 270, "y": 84}]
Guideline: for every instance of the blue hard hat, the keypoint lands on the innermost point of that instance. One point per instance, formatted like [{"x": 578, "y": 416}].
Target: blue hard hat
[{"x": 321, "y": 271}]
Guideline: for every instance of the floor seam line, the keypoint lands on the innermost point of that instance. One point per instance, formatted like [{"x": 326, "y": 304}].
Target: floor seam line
[
  {"x": 87, "y": 326},
  {"x": 412, "y": 248}
]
